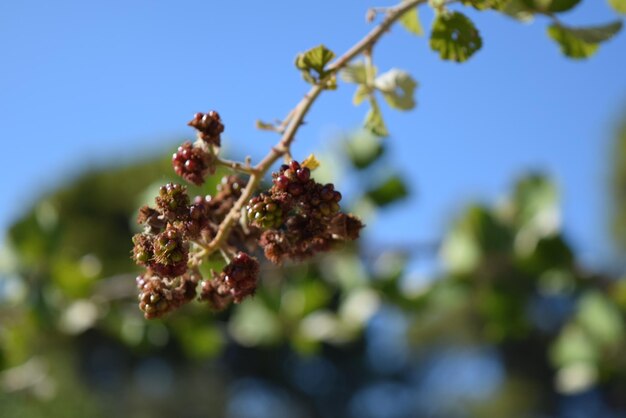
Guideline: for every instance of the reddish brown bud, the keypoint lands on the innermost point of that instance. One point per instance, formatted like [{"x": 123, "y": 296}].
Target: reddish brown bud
[
  {"x": 209, "y": 127},
  {"x": 193, "y": 163}
]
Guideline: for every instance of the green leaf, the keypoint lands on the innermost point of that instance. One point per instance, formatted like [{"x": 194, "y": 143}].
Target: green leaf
[
  {"x": 411, "y": 22},
  {"x": 553, "y": 6},
  {"x": 517, "y": 10},
  {"x": 598, "y": 34},
  {"x": 199, "y": 341},
  {"x": 600, "y": 318},
  {"x": 364, "y": 149},
  {"x": 355, "y": 73},
  {"x": 570, "y": 44},
  {"x": 361, "y": 93},
  {"x": 573, "y": 345},
  {"x": 460, "y": 251},
  {"x": 535, "y": 202},
  {"x": 485, "y": 4},
  {"x": 582, "y": 42},
  {"x": 455, "y": 37},
  {"x": 315, "y": 59},
  {"x": 374, "y": 120},
  {"x": 254, "y": 323},
  {"x": 389, "y": 191},
  {"x": 618, "y": 5},
  {"x": 398, "y": 88}
]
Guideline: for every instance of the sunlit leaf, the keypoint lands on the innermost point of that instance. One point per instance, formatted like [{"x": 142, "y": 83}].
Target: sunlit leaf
[
  {"x": 315, "y": 59},
  {"x": 534, "y": 201},
  {"x": 361, "y": 94},
  {"x": 455, "y": 37},
  {"x": 374, "y": 120},
  {"x": 460, "y": 252},
  {"x": 354, "y": 73},
  {"x": 398, "y": 88},
  {"x": 311, "y": 162},
  {"x": 411, "y": 22},
  {"x": 255, "y": 324},
  {"x": 618, "y": 5},
  {"x": 600, "y": 318},
  {"x": 582, "y": 42},
  {"x": 573, "y": 345},
  {"x": 517, "y": 10}
]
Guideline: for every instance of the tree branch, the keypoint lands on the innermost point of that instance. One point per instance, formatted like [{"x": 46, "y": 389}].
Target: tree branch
[{"x": 297, "y": 117}]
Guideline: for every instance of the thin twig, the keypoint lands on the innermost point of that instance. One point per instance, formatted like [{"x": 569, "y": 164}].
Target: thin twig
[
  {"x": 237, "y": 166},
  {"x": 295, "y": 119}
]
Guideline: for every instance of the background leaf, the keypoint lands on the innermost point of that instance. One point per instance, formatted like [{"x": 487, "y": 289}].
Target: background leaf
[
  {"x": 363, "y": 149},
  {"x": 361, "y": 93},
  {"x": 598, "y": 34},
  {"x": 411, "y": 22},
  {"x": 374, "y": 120},
  {"x": 554, "y": 6},
  {"x": 354, "y": 73},
  {"x": 582, "y": 42},
  {"x": 389, "y": 191},
  {"x": 398, "y": 88},
  {"x": 517, "y": 10},
  {"x": 455, "y": 37},
  {"x": 618, "y": 5}
]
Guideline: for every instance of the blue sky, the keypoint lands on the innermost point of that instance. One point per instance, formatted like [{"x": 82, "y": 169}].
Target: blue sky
[{"x": 86, "y": 83}]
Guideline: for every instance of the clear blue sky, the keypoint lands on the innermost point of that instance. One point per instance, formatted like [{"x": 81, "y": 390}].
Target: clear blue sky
[{"x": 91, "y": 82}]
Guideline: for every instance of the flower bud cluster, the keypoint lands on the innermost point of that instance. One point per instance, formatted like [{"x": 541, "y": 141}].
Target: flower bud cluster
[
  {"x": 193, "y": 162},
  {"x": 209, "y": 127},
  {"x": 237, "y": 281},
  {"x": 295, "y": 219},
  {"x": 171, "y": 228},
  {"x": 158, "y": 296},
  {"x": 300, "y": 216}
]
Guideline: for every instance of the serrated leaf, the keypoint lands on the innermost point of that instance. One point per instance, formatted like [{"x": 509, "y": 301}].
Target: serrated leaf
[
  {"x": 390, "y": 190},
  {"x": 485, "y": 4},
  {"x": 315, "y": 59},
  {"x": 411, "y": 22},
  {"x": 374, "y": 120},
  {"x": 361, "y": 93},
  {"x": 398, "y": 89},
  {"x": 354, "y": 73},
  {"x": 311, "y": 162},
  {"x": 553, "y": 6},
  {"x": 618, "y": 5},
  {"x": 582, "y": 42},
  {"x": 455, "y": 37}
]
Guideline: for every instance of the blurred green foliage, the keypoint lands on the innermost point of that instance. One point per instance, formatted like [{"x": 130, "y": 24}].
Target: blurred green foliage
[
  {"x": 509, "y": 296},
  {"x": 618, "y": 189}
]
